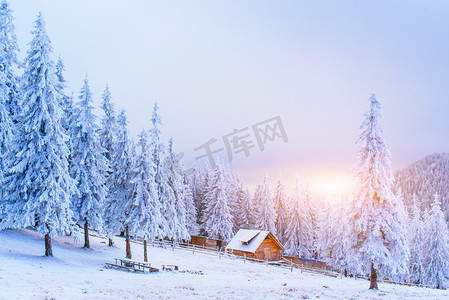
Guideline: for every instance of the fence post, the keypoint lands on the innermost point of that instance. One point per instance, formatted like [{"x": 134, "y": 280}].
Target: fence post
[
  {"x": 291, "y": 266},
  {"x": 193, "y": 249},
  {"x": 301, "y": 268},
  {"x": 244, "y": 258}
]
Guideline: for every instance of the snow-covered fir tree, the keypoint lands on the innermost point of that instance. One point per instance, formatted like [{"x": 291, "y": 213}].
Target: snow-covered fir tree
[
  {"x": 165, "y": 193},
  {"x": 436, "y": 261},
  {"x": 9, "y": 82},
  {"x": 299, "y": 229},
  {"x": 88, "y": 165},
  {"x": 119, "y": 192},
  {"x": 143, "y": 209},
  {"x": 333, "y": 235},
  {"x": 280, "y": 201},
  {"x": 378, "y": 234},
  {"x": 107, "y": 131},
  {"x": 175, "y": 176},
  {"x": 217, "y": 218},
  {"x": 38, "y": 184},
  {"x": 198, "y": 183},
  {"x": 266, "y": 211},
  {"x": 312, "y": 211},
  {"x": 66, "y": 102},
  {"x": 416, "y": 245},
  {"x": 247, "y": 213},
  {"x": 191, "y": 221}
]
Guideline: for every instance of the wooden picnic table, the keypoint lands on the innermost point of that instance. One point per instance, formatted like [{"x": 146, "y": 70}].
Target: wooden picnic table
[{"x": 132, "y": 265}]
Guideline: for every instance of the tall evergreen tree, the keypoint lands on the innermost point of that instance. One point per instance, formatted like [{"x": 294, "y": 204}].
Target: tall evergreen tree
[
  {"x": 280, "y": 201},
  {"x": 66, "y": 102},
  {"x": 108, "y": 134},
  {"x": 88, "y": 165},
  {"x": 143, "y": 209},
  {"x": 247, "y": 213},
  {"x": 416, "y": 244},
  {"x": 191, "y": 222},
  {"x": 299, "y": 229},
  {"x": 165, "y": 193},
  {"x": 122, "y": 166},
  {"x": 378, "y": 236},
  {"x": 107, "y": 131},
  {"x": 175, "y": 174},
  {"x": 436, "y": 261},
  {"x": 217, "y": 218},
  {"x": 198, "y": 183},
  {"x": 9, "y": 82},
  {"x": 38, "y": 183},
  {"x": 263, "y": 199}
]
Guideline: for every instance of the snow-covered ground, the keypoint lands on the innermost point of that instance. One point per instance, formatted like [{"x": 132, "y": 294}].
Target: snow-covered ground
[{"x": 77, "y": 273}]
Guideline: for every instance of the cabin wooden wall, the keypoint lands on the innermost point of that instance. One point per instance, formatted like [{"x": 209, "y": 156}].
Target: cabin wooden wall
[{"x": 273, "y": 249}]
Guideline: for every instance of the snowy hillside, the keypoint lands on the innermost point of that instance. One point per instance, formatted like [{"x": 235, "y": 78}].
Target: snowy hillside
[
  {"x": 423, "y": 179},
  {"x": 77, "y": 273}
]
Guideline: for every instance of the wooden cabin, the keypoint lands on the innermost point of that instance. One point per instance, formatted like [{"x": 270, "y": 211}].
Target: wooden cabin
[{"x": 257, "y": 244}]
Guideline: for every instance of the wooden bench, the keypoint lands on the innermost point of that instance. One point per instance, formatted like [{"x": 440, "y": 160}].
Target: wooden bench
[{"x": 131, "y": 265}]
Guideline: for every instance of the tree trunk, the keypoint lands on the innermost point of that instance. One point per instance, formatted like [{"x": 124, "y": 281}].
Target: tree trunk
[
  {"x": 145, "y": 253},
  {"x": 48, "y": 249},
  {"x": 373, "y": 278},
  {"x": 86, "y": 234},
  {"x": 111, "y": 242},
  {"x": 128, "y": 244},
  {"x": 346, "y": 273}
]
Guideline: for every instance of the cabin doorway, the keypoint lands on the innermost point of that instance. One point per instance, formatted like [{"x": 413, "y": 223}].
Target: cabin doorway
[{"x": 266, "y": 254}]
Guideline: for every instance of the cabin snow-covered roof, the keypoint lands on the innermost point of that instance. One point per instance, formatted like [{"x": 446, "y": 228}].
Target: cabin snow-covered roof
[{"x": 247, "y": 240}]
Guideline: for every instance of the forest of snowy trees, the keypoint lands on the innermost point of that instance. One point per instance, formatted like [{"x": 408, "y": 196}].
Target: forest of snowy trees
[{"x": 61, "y": 166}]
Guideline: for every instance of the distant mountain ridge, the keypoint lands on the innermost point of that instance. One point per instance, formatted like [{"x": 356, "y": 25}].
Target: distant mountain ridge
[{"x": 423, "y": 179}]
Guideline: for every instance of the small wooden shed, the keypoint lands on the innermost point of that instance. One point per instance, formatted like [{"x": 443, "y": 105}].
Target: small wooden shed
[{"x": 257, "y": 244}]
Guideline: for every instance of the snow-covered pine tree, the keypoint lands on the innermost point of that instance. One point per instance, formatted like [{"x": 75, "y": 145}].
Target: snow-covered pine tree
[
  {"x": 378, "y": 235},
  {"x": 312, "y": 210},
  {"x": 415, "y": 240},
  {"x": 266, "y": 212},
  {"x": 38, "y": 184},
  {"x": 280, "y": 201},
  {"x": 436, "y": 249},
  {"x": 143, "y": 209},
  {"x": 247, "y": 213},
  {"x": 235, "y": 190},
  {"x": 65, "y": 101},
  {"x": 238, "y": 207},
  {"x": 299, "y": 229},
  {"x": 8, "y": 85},
  {"x": 88, "y": 165},
  {"x": 217, "y": 218},
  {"x": 192, "y": 225},
  {"x": 122, "y": 166},
  {"x": 175, "y": 174},
  {"x": 327, "y": 228},
  {"x": 164, "y": 191},
  {"x": 334, "y": 237},
  {"x": 199, "y": 182},
  {"x": 107, "y": 133},
  {"x": 9, "y": 82}
]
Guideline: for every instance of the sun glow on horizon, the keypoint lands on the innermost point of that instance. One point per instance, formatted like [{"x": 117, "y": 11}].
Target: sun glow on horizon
[{"x": 331, "y": 186}]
